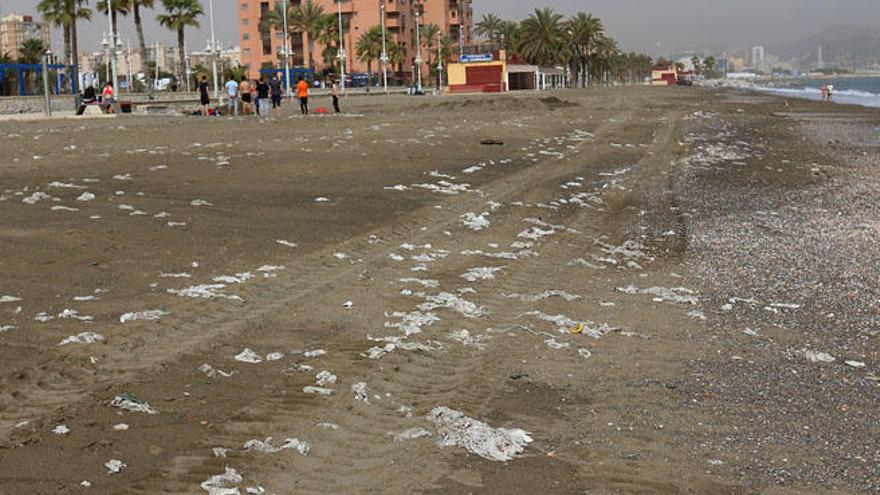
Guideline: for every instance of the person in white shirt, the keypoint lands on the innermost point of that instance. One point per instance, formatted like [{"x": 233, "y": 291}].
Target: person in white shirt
[{"x": 232, "y": 94}]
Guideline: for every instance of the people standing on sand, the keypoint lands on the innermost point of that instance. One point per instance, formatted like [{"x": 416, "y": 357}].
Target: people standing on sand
[
  {"x": 334, "y": 92},
  {"x": 263, "y": 97},
  {"x": 830, "y": 93},
  {"x": 823, "y": 92},
  {"x": 204, "y": 99},
  {"x": 244, "y": 91},
  {"x": 232, "y": 94},
  {"x": 302, "y": 92},
  {"x": 275, "y": 90}
]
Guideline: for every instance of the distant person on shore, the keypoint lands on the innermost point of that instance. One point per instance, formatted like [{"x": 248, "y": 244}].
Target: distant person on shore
[
  {"x": 823, "y": 92},
  {"x": 334, "y": 93},
  {"x": 232, "y": 94},
  {"x": 108, "y": 100},
  {"x": 275, "y": 90},
  {"x": 830, "y": 93},
  {"x": 244, "y": 91},
  {"x": 263, "y": 97},
  {"x": 204, "y": 99},
  {"x": 302, "y": 92}
]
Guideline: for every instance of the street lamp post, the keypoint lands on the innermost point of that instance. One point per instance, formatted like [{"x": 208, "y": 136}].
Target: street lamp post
[
  {"x": 419, "y": 48},
  {"x": 384, "y": 53},
  {"x": 341, "y": 55},
  {"x": 47, "y": 102},
  {"x": 440, "y": 63},
  {"x": 128, "y": 65},
  {"x": 113, "y": 47},
  {"x": 105, "y": 42},
  {"x": 213, "y": 51},
  {"x": 286, "y": 50}
]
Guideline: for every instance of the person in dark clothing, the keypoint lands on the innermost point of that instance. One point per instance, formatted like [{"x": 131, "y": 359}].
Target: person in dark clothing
[
  {"x": 263, "y": 97},
  {"x": 203, "y": 95},
  {"x": 334, "y": 92},
  {"x": 275, "y": 87}
]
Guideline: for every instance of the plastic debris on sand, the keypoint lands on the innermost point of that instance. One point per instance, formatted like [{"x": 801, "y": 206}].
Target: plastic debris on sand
[
  {"x": 564, "y": 323},
  {"x": 547, "y": 294},
  {"x": 466, "y": 339},
  {"x": 148, "y": 315},
  {"x": 495, "y": 444},
  {"x": 818, "y": 357},
  {"x": 317, "y": 390},
  {"x": 476, "y": 221},
  {"x": 132, "y": 403},
  {"x": 114, "y": 466},
  {"x": 205, "y": 291},
  {"x": 360, "y": 392},
  {"x": 451, "y": 301},
  {"x": 82, "y": 338},
  {"x": 680, "y": 295},
  {"x": 325, "y": 378},
  {"x": 481, "y": 273},
  {"x": 411, "y": 323},
  {"x": 553, "y": 344},
  {"x": 223, "y": 484},
  {"x": 410, "y": 434},
  {"x": 61, "y": 430},
  {"x": 213, "y": 372},
  {"x": 266, "y": 446}
]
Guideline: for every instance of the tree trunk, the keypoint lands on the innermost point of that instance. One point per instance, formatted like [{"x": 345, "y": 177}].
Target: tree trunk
[
  {"x": 311, "y": 51},
  {"x": 142, "y": 45},
  {"x": 181, "y": 56},
  {"x": 67, "y": 59},
  {"x": 74, "y": 48}
]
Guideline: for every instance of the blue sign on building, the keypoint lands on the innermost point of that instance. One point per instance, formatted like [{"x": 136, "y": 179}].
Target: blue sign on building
[{"x": 480, "y": 57}]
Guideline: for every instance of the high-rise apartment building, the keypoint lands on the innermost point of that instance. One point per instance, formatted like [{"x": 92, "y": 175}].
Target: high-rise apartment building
[
  {"x": 263, "y": 45},
  {"x": 16, "y": 29}
]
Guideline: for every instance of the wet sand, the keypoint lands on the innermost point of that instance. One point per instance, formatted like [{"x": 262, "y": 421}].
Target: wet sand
[{"x": 719, "y": 248}]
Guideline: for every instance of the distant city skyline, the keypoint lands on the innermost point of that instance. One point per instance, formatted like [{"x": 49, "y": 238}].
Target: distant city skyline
[{"x": 639, "y": 25}]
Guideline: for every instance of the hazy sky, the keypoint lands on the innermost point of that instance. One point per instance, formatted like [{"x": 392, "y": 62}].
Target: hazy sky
[{"x": 637, "y": 24}]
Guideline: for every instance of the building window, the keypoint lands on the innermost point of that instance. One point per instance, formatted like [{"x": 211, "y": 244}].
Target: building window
[
  {"x": 245, "y": 22},
  {"x": 266, "y": 34},
  {"x": 244, "y": 7},
  {"x": 245, "y": 36}
]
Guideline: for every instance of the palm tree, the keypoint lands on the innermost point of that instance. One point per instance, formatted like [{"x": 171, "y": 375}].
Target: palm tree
[
  {"x": 56, "y": 13},
  {"x": 582, "y": 32},
  {"x": 78, "y": 9},
  {"x": 509, "y": 35},
  {"x": 178, "y": 15},
  {"x": 490, "y": 27},
  {"x": 541, "y": 37},
  {"x": 606, "y": 49},
  {"x": 396, "y": 56},
  {"x": 136, "y": 6},
  {"x": 328, "y": 36},
  {"x": 369, "y": 48},
  {"x": 429, "y": 33},
  {"x": 31, "y": 51},
  {"x": 308, "y": 18}
]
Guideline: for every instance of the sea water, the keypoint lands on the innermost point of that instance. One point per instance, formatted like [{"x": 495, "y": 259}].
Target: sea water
[{"x": 864, "y": 91}]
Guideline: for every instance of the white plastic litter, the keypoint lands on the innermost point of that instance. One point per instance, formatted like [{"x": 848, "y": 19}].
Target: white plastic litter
[
  {"x": 411, "y": 323},
  {"x": 114, "y": 466},
  {"x": 553, "y": 344},
  {"x": 223, "y": 484},
  {"x": 481, "y": 273},
  {"x": 317, "y": 390},
  {"x": 325, "y": 378},
  {"x": 86, "y": 196},
  {"x": 286, "y": 243},
  {"x": 9, "y": 299},
  {"x": 82, "y": 338},
  {"x": 495, "y": 444},
  {"x": 547, "y": 294},
  {"x": 855, "y": 364},
  {"x": 133, "y": 406},
  {"x": 238, "y": 278},
  {"x": 200, "y": 202},
  {"x": 206, "y": 291},
  {"x": 314, "y": 353},
  {"x": 213, "y": 372},
  {"x": 148, "y": 315},
  {"x": 61, "y": 430},
  {"x": 266, "y": 446},
  {"x": 465, "y": 338},
  {"x": 322, "y": 200},
  {"x": 476, "y": 221},
  {"x": 680, "y": 295},
  {"x": 818, "y": 357},
  {"x": 451, "y": 301},
  {"x": 249, "y": 356},
  {"x": 120, "y": 427},
  {"x": 360, "y": 392},
  {"x": 584, "y": 353},
  {"x": 274, "y": 356},
  {"x": 410, "y": 434}
]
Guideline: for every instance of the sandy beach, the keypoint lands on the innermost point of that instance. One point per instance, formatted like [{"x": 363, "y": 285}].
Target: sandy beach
[{"x": 621, "y": 291}]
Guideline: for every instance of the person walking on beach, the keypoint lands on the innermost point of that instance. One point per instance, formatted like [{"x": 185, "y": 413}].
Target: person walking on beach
[
  {"x": 275, "y": 90},
  {"x": 830, "y": 91},
  {"x": 823, "y": 92},
  {"x": 334, "y": 92},
  {"x": 302, "y": 92},
  {"x": 232, "y": 94},
  {"x": 203, "y": 95},
  {"x": 263, "y": 97}
]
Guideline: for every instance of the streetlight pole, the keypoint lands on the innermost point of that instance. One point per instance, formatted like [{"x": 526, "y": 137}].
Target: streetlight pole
[
  {"x": 112, "y": 52},
  {"x": 213, "y": 51},
  {"x": 384, "y": 53},
  {"x": 460, "y": 27},
  {"x": 341, "y": 48},
  {"x": 419, "y": 47},
  {"x": 286, "y": 51},
  {"x": 440, "y": 62}
]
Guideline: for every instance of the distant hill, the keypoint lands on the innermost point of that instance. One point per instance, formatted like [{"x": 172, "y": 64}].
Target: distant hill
[{"x": 841, "y": 45}]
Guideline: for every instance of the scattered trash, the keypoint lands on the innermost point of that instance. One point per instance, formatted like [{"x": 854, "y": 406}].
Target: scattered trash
[
  {"x": 266, "y": 446},
  {"x": 360, "y": 392},
  {"x": 475, "y": 221},
  {"x": 553, "y": 344},
  {"x": 212, "y": 372},
  {"x": 132, "y": 403},
  {"x": 454, "y": 428},
  {"x": 287, "y": 243},
  {"x": 61, "y": 430},
  {"x": 322, "y": 200},
  {"x": 410, "y": 434},
  {"x": 452, "y": 302},
  {"x": 855, "y": 364},
  {"x": 9, "y": 299},
  {"x": 547, "y": 294},
  {"x": 348, "y": 305},
  {"x": 120, "y": 427},
  {"x": 207, "y": 291},
  {"x": 314, "y": 353},
  {"x": 148, "y": 315},
  {"x": 82, "y": 338},
  {"x": 818, "y": 357},
  {"x": 679, "y": 295},
  {"x": 481, "y": 273},
  {"x": 584, "y": 353},
  {"x": 200, "y": 202},
  {"x": 325, "y": 378},
  {"x": 317, "y": 390},
  {"x": 114, "y": 466},
  {"x": 223, "y": 484},
  {"x": 465, "y": 338}
]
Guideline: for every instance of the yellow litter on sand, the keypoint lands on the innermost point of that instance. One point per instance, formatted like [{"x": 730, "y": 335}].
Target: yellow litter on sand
[{"x": 577, "y": 329}]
